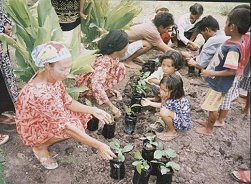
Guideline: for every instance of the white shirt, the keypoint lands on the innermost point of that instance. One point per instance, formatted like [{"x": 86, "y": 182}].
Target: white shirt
[{"x": 184, "y": 25}]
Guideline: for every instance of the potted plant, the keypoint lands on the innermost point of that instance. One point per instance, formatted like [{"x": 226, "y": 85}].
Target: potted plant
[
  {"x": 109, "y": 129},
  {"x": 130, "y": 119},
  {"x": 142, "y": 170},
  {"x": 117, "y": 164},
  {"x": 165, "y": 166},
  {"x": 149, "y": 145},
  {"x": 92, "y": 124}
]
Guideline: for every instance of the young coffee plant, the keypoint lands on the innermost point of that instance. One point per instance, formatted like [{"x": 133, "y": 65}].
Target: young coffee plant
[{"x": 119, "y": 150}]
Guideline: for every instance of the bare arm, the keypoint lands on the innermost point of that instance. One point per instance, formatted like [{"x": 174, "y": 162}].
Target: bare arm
[
  {"x": 223, "y": 73},
  {"x": 163, "y": 47},
  {"x": 154, "y": 81},
  {"x": 75, "y": 106},
  {"x": 147, "y": 102}
]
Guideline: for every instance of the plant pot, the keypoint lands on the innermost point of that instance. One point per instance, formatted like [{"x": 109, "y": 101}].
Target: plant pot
[
  {"x": 165, "y": 178},
  {"x": 142, "y": 178},
  {"x": 151, "y": 64},
  {"x": 130, "y": 122},
  {"x": 117, "y": 169},
  {"x": 108, "y": 131},
  {"x": 92, "y": 124},
  {"x": 136, "y": 98},
  {"x": 148, "y": 153},
  {"x": 145, "y": 68},
  {"x": 155, "y": 166}
]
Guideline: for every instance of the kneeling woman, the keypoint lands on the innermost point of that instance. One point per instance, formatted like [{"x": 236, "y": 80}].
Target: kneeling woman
[
  {"x": 46, "y": 114},
  {"x": 108, "y": 71}
]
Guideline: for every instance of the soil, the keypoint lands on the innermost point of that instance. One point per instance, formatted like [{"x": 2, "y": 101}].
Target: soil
[{"x": 203, "y": 160}]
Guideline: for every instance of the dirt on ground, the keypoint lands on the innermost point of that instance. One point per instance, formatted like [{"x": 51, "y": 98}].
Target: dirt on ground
[{"x": 203, "y": 159}]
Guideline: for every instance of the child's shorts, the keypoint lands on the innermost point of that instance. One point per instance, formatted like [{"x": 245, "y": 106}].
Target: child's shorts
[
  {"x": 132, "y": 48},
  {"x": 213, "y": 100}
]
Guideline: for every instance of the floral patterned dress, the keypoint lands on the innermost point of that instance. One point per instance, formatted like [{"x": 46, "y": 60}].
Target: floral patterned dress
[
  {"x": 182, "y": 108},
  {"x": 107, "y": 73},
  {"x": 42, "y": 114}
]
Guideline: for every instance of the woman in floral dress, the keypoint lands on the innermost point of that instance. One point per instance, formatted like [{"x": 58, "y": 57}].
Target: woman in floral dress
[
  {"x": 107, "y": 70},
  {"x": 46, "y": 114}
]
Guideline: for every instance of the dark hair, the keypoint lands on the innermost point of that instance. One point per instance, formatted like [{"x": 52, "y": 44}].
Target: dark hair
[
  {"x": 240, "y": 17},
  {"x": 174, "y": 83},
  {"x": 175, "y": 56},
  {"x": 246, "y": 6},
  {"x": 208, "y": 22},
  {"x": 164, "y": 19},
  {"x": 114, "y": 41},
  {"x": 196, "y": 9}
]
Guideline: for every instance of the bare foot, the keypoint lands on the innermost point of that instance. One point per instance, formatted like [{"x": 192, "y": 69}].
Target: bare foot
[
  {"x": 7, "y": 119},
  {"x": 166, "y": 136},
  {"x": 131, "y": 64},
  {"x": 204, "y": 131},
  {"x": 44, "y": 158},
  {"x": 219, "y": 123}
]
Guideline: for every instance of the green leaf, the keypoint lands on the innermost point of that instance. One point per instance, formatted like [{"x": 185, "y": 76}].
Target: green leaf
[
  {"x": 138, "y": 168},
  {"x": 127, "y": 148},
  {"x": 164, "y": 170},
  {"x": 138, "y": 155},
  {"x": 173, "y": 165},
  {"x": 170, "y": 153},
  {"x": 121, "y": 157},
  {"x": 158, "y": 154}
]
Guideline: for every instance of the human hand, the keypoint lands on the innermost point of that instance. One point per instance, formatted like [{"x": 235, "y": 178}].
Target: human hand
[
  {"x": 117, "y": 113},
  {"x": 105, "y": 152},
  {"x": 116, "y": 94},
  {"x": 191, "y": 62},
  {"x": 186, "y": 55},
  {"x": 83, "y": 16},
  {"x": 103, "y": 116},
  {"x": 145, "y": 102},
  {"x": 192, "y": 46},
  {"x": 207, "y": 73},
  {"x": 8, "y": 29}
]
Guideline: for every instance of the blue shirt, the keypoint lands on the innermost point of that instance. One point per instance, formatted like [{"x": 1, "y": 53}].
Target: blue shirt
[{"x": 222, "y": 84}]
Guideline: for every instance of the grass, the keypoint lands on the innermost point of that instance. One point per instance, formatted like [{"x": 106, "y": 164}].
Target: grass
[{"x": 2, "y": 180}]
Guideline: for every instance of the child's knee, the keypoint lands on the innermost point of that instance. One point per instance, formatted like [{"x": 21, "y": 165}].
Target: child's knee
[{"x": 164, "y": 113}]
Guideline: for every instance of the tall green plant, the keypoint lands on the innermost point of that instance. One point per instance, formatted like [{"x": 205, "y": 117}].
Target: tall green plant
[
  {"x": 103, "y": 18},
  {"x": 34, "y": 26}
]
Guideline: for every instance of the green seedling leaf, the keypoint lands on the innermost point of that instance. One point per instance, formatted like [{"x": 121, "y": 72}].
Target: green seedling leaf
[
  {"x": 173, "y": 165},
  {"x": 127, "y": 148},
  {"x": 170, "y": 153},
  {"x": 158, "y": 154},
  {"x": 138, "y": 155}
]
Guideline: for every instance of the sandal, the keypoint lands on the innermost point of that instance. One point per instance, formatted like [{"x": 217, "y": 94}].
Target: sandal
[
  {"x": 3, "y": 139},
  {"x": 7, "y": 119},
  {"x": 48, "y": 162},
  {"x": 240, "y": 176}
]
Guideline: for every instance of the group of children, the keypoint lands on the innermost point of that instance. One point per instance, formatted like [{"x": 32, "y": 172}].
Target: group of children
[{"x": 221, "y": 62}]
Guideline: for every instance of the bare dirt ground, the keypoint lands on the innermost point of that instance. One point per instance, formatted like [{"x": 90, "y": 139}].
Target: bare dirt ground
[{"x": 203, "y": 160}]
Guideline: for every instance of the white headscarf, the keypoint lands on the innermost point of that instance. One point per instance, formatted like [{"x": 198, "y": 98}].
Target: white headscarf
[{"x": 50, "y": 52}]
